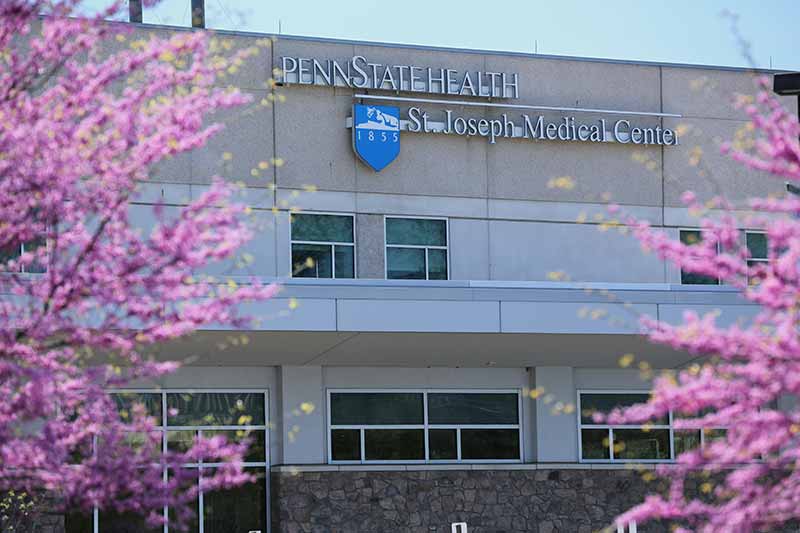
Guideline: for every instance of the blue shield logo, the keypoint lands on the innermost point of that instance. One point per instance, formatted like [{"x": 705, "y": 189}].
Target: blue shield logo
[{"x": 376, "y": 134}]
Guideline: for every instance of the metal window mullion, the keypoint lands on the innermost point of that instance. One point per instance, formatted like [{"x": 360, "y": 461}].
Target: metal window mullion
[
  {"x": 246, "y": 464},
  {"x": 379, "y": 426},
  {"x": 216, "y": 428},
  {"x": 417, "y": 246},
  {"x": 329, "y": 243},
  {"x": 22, "y": 251},
  {"x": 201, "y": 525},
  {"x": 164, "y": 450},
  {"x": 333, "y": 261},
  {"x": 267, "y": 480},
  {"x": 671, "y": 438},
  {"x": 611, "y": 444},
  {"x": 425, "y": 424},
  {"x": 579, "y": 416},
  {"x": 328, "y": 422},
  {"x": 474, "y": 426},
  {"x": 520, "y": 430},
  {"x": 458, "y": 444},
  {"x": 387, "y": 462},
  {"x": 624, "y": 426},
  {"x": 200, "y": 517},
  {"x": 427, "y": 272},
  {"x": 363, "y": 446},
  {"x": 420, "y": 390}
]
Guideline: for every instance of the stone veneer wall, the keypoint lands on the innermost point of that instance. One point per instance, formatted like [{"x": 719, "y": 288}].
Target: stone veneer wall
[{"x": 539, "y": 501}]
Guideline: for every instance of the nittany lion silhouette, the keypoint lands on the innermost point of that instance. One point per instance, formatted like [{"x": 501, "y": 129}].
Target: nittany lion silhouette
[{"x": 375, "y": 114}]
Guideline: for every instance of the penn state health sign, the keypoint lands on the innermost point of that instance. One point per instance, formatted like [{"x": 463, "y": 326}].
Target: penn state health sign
[{"x": 376, "y": 134}]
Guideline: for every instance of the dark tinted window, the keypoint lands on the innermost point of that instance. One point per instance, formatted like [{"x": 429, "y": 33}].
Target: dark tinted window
[
  {"x": 124, "y": 523},
  {"x": 757, "y": 245},
  {"x": 442, "y": 444},
  {"x": 345, "y": 261},
  {"x": 605, "y": 403},
  {"x": 325, "y": 228},
  {"x": 151, "y": 402},
  {"x": 312, "y": 260},
  {"x": 256, "y": 451},
  {"x": 237, "y": 509},
  {"x": 346, "y": 444},
  {"x": 686, "y": 440},
  {"x": 477, "y": 408},
  {"x": 216, "y": 409},
  {"x": 489, "y": 444},
  {"x": 640, "y": 444},
  {"x": 416, "y": 231},
  {"x": 595, "y": 444},
  {"x": 394, "y": 444},
  {"x": 405, "y": 263},
  {"x": 78, "y": 522},
  {"x": 692, "y": 237},
  {"x": 371, "y": 408},
  {"x": 437, "y": 264}
]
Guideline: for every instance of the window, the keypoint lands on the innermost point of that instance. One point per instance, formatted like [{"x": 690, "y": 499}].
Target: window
[
  {"x": 604, "y": 442},
  {"x": 658, "y": 441},
  {"x": 235, "y": 414},
  {"x": 759, "y": 251},
  {"x": 14, "y": 251},
  {"x": 323, "y": 246},
  {"x": 688, "y": 439},
  {"x": 757, "y": 246},
  {"x": 416, "y": 248},
  {"x": 424, "y": 426},
  {"x": 691, "y": 237}
]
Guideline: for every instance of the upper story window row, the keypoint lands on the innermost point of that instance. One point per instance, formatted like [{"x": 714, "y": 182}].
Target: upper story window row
[
  {"x": 323, "y": 246},
  {"x": 755, "y": 241}
]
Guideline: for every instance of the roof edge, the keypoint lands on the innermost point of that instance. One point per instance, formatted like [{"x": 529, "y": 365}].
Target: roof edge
[{"x": 476, "y": 51}]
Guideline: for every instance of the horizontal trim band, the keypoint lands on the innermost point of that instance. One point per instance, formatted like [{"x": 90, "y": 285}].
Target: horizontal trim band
[
  {"x": 514, "y": 106},
  {"x": 300, "y": 469}
]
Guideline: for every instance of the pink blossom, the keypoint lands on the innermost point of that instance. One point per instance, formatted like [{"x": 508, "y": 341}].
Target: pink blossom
[
  {"x": 742, "y": 371},
  {"x": 74, "y": 147}
]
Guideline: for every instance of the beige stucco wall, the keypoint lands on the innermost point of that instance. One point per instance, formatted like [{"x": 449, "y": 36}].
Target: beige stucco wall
[{"x": 507, "y": 222}]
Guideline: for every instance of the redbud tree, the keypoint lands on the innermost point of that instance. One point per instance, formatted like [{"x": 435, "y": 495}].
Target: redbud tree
[
  {"x": 83, "y": 292},
  {"x": 748, "y": 479}
]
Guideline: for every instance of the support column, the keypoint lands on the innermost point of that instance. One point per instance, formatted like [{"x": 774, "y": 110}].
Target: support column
[
  {"x": 302, "y": 419},
  {"x": 556, "y": 430}
]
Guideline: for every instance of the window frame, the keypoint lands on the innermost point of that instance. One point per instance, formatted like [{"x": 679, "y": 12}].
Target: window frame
[
  {"x": 331, "y": 244},
  {"x": 680, "y": 270},
  {"x": 611, "y": 427},
  {"x": 752, "y": 260},
  {"x": 164, "y": 428},
  {"x": 425, "y": 247},
  {"x": 425, "y": 427},
  {"x": 21, "y": 250}
]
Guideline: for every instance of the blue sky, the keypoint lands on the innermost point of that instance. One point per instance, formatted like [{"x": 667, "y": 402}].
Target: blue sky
[{"x": 684, "y": 31}]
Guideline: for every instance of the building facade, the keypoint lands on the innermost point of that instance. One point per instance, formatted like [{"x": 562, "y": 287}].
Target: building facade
[{"x": 467, "y": 298}]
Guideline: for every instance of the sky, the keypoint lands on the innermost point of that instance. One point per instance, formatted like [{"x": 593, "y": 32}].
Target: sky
[{"x": 680, "y": 31}]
